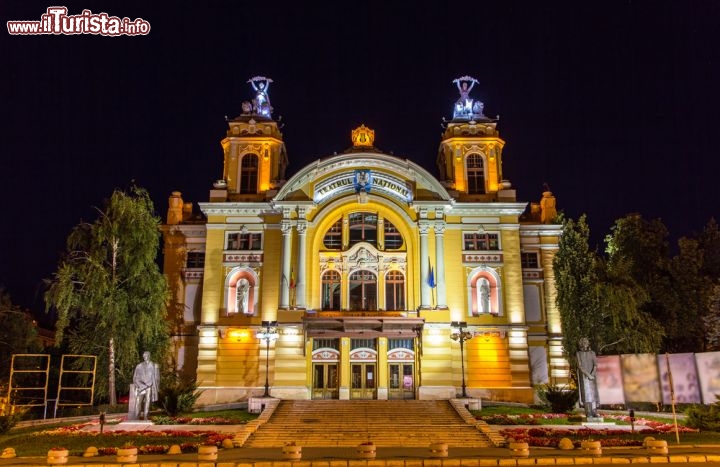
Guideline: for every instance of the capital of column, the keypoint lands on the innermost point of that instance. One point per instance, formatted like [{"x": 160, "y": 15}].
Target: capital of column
[
  {"x": 286, "y": 227},
  {"x": 301, "y": 227},
  {"x": 423, "y": 227},
  {"x": 439, "y": 227}
]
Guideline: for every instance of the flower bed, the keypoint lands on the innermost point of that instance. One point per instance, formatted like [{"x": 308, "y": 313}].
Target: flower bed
[
  {"x": 145, "y": 440},
  {"x": 550, "y": 437}
]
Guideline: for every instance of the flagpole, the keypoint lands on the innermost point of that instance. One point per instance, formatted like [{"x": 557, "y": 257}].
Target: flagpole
[{"x": 672, "y": 397}]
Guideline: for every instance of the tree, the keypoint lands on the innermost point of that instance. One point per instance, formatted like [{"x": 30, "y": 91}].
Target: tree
[
  {"x": 711, "y": 321},
  {"x": 709, "y": 240},
  {"x": 18, "y": 332},
  {"x": 599, "y": 299},
  {"x": 623, "y": 325},
  {"x": 689, "y": 299},
  {"x": 574, "y": 267},
  {"x": 108, "y": 290},
  {"x": 644, "y": 243}
]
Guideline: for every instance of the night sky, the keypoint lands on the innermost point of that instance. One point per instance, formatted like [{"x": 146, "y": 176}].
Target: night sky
[{"x": 613, "y": 104}]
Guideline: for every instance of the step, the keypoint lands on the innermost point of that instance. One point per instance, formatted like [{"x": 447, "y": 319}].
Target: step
[{"x": 348, "y": 423}]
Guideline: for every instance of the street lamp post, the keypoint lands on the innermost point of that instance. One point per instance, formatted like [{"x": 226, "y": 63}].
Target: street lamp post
[
  {"x": 268, "y": 334},
  {"x": 461, "y": 336}
]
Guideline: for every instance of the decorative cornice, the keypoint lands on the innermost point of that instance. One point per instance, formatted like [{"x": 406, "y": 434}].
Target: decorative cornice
[
  {"x": 194, "y": 231},
  {"x": 488, "y": 209},
  {"x": 540, "y": 230},
  {"x": 237, "y": 209}
]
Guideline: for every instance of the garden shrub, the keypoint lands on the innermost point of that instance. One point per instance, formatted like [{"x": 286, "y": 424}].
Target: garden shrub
[
  {"x": 9, "y": 421},
  {"x": 704, "y": 417},
  {"x": 560, "y": 398},
  {"x": 177, "y": 395},
  {"x": 162, "y": 420}
]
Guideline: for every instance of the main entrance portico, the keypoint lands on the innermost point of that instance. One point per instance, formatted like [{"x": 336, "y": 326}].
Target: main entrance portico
[{"x": 363, "y": 355}]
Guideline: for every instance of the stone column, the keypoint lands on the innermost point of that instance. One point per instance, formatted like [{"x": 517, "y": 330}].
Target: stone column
[
  {"x": 286, "y": 228},
  {"x": 440, "y": 264},
  {"x": 425, "y": 290},
  {"x": 301, "y": 264}
]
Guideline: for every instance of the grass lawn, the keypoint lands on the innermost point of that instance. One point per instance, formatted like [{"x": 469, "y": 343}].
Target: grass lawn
[{"x": 225, "y": 417}]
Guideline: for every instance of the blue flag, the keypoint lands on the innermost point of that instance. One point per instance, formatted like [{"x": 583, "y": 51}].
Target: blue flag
[{"x": 431, "y": 278}]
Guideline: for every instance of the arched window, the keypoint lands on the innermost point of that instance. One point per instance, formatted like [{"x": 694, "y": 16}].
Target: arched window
[
  {"x": 363, "y": 291},
  {"x": 249, "y": 173},
  {"x": 394, "y": 291},
  {"x": 393, "y": 239},
  {"x": 333, "y": 237},
  {"x": 363, "y": 228},
  {"x": 475, "y": 174},
  {"x": 331, "y": 290}
]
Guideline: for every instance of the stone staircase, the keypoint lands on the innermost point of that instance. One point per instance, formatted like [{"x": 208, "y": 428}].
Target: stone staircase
[{"x": 407, "y": 423}]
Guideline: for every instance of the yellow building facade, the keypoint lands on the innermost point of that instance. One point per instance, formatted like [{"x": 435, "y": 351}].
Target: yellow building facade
[{"x": 363, "y": 276}]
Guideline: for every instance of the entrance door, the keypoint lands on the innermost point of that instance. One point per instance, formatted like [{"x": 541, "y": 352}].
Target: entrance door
[
  {"x": 402, "y": 381},
  {"x": 325, "y": 381},
  {"x": 363, "y": 378}
]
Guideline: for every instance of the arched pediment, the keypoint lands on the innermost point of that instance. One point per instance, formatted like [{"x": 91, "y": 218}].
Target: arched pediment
[{"x": 327, "y": 179}]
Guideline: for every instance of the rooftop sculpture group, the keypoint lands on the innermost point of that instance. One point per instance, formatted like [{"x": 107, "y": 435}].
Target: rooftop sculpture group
[
  {"x": 261, "y": 104},
  {"x": 465, "y": 107}
]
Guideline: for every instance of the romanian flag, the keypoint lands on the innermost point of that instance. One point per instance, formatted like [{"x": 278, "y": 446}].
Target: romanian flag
[{"x": 292, "y": 279}]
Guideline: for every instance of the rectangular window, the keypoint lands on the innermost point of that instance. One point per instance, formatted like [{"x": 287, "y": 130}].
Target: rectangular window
[
  {"x": 195, "y": 259},
  {"x": 400, "y": 344},
  {"x": 249, "y": 241},
  {"x": 529, "y": 260},
  {"x": 480, "y": 241},
  {"x": 326, "y": 344},
  {"x": 362, "y": 344}
]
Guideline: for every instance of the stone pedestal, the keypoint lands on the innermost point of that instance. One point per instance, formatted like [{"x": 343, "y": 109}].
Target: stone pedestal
[{"x": 473, "y": 404}]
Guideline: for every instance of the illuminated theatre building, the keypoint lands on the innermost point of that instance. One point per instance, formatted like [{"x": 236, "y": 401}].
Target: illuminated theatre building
[{"x": 354, "y": 278}]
